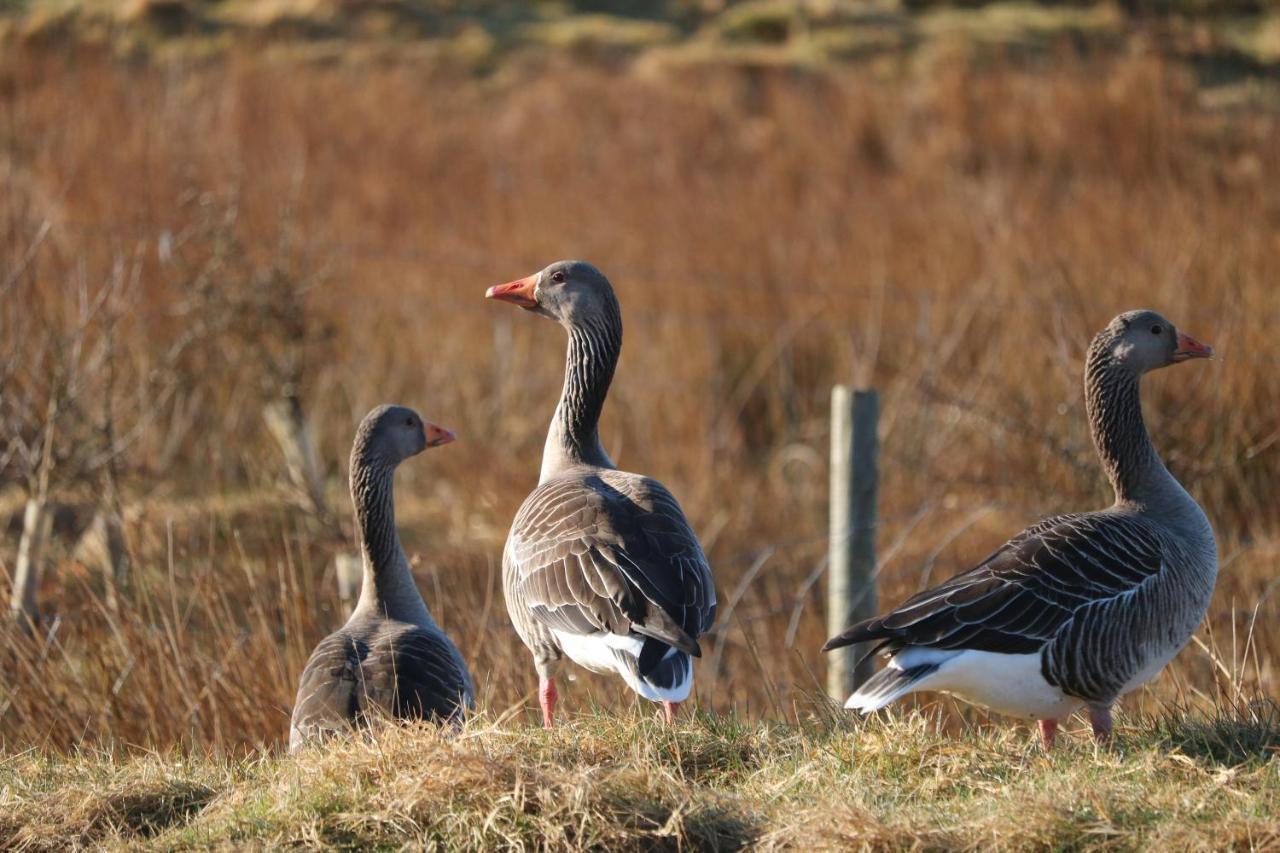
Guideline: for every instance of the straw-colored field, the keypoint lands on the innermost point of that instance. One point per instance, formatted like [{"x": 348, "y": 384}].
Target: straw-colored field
[
  {"x": 606, "y": 782},
  {"x": 184, "y": 241}
]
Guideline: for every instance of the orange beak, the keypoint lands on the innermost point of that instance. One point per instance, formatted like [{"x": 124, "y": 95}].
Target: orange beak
[
  {"x": 437, "y": 435},
  {"x": 1189, "y": 347},
  {"x": 521, "y": 292}
]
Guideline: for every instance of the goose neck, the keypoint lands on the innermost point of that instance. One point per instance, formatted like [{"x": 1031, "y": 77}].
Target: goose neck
[
  {"x": 1120, "y": 434},
  {"x": 388, "y": 588},
  {"x": 574, "y": 437}
]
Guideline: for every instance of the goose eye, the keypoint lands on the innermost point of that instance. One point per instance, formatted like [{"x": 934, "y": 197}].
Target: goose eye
[
  {"x": 408, "y": 421},
  {"x": 558, "y": 277},
  {"x": 1157, "y": 329}
]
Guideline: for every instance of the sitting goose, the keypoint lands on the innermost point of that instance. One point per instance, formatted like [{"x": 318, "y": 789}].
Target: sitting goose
[
  {"x": 600, "y": 565},
  {"x": 1076, "y": 610},
  {"x": 390, "y": 658}
]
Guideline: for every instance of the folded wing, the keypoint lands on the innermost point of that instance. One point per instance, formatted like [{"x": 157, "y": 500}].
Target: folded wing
[
  {"x": 407, "y": 673},
  {"x": 1027, "y": 592},
  {"x": 612, "y": 552}
]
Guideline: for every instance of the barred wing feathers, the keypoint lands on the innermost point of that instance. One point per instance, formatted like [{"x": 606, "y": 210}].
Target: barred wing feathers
[{"x": 611, "y": 552}]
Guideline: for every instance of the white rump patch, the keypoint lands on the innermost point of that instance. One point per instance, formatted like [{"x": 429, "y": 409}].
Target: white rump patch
[
  {"x": 596, "y": 653},
  {"x": 1009, "y": 684}
]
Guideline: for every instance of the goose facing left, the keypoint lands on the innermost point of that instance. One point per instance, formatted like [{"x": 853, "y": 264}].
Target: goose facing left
[
  {"x": 390, "y": 659},
  {"x": 600, "y": 565}
]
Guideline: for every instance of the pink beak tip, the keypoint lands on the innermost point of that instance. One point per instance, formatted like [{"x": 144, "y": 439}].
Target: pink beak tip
[
  {"x": 1189, "y": 347},
  {"x": 437, "y": 436}
]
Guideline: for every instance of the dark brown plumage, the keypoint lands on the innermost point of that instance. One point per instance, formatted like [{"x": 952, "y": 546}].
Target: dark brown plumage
[{"x": 383, "y": 668}]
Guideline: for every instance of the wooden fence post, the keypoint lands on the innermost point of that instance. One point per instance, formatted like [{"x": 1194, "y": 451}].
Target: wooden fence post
[
  {"x": 851, "y": 591},
  {"x": 102, "y": 546},
  {"x": 287, "y": 423}
]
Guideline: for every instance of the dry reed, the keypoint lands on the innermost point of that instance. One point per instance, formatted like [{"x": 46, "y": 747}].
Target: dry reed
[{"x": 949, "y": 234}]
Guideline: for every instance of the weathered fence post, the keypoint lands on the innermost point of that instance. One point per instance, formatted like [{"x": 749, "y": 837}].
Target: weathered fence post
[
  {"x": 851, "y": 591},
  {"x": 102, "y": 546}
]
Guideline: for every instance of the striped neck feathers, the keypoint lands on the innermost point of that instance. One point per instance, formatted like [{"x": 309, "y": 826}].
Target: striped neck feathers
[
  {"x": 388, "y": 587},
  {"x": 1114, "y": 407},
  {"x": 594, "y": 345}
]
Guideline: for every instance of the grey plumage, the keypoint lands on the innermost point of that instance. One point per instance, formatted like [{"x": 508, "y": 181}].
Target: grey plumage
[
  {"x": 390, "y": 659},
  {"x": 600, "y": 564},
  {"x": 1102, "y": 599},
  {"x": 595, "y": 550}
]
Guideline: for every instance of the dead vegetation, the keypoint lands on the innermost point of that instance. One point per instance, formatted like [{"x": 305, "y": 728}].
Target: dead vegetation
[
  {"x": 328, "y": 232},
  {"x": 260, "y": 229},
  {"x": 186, "y": 245},
  {"x": 629, "y": 783},
  {"x": 1227, "y": 42}
]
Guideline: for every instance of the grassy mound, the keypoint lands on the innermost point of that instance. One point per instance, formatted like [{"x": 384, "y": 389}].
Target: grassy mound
[{"x": 601, "y": 782}]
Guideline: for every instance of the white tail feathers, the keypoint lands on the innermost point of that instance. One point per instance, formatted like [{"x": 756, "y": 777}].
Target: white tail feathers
[
  {"x": 888, "y": 685},
  {"x": 865, "y": 704},
  {"x": 872, "y": 697}
]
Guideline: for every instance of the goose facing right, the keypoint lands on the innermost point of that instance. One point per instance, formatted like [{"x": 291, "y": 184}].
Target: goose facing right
[
  {"x": 390, "y": 659},
  {"x": 1076, "y": 610}
]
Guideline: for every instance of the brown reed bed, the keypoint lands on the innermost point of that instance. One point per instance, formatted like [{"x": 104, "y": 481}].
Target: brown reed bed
[{"x": 186, "y": 241}]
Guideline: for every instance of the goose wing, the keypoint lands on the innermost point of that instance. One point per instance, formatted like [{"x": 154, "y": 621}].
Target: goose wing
[
  {"x": 1025, "y": 593},
  {"x": 401, "y": 671},
  {"x": 611, "y": 552}
]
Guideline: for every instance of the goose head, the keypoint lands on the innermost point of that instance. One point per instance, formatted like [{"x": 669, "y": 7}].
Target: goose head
[
  {"x": 1143, "y": 341},
  {"x": 571, "y": 292},
  {"x": 388, "y": 435}
]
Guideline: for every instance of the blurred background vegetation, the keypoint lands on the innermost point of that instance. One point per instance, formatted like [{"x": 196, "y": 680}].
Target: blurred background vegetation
[
  {"x": 1227, "y": 41},
  {"x": 228, "y": 229}
]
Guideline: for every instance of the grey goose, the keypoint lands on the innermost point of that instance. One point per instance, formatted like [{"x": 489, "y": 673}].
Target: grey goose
[
  {"x": 390, "y": 659},
  {"x": 1079, "y": 609},
  {"x": 600, "y": 564}
]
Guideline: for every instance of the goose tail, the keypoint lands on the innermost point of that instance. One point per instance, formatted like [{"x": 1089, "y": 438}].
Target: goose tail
[{"x": 888, "y": 685}]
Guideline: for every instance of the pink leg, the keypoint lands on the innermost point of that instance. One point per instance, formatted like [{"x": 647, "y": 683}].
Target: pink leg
[
  {"x": 670, "y": 708},
  {"x": 547, "y": 699},
  {"x": 1100, "y": 718},
  {"x": 1048, "y": 731}
]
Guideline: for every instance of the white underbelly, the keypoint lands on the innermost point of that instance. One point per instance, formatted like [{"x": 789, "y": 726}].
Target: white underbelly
[{"x": 1008, "y": 684}]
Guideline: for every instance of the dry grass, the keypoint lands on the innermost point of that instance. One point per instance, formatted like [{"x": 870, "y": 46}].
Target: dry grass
[
  {"x": 630, "y": 783},
  {"x": 951, "y": 235}
]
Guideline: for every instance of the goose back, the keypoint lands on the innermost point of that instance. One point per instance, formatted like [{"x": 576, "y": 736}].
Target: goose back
[
  {"x": 379, "y": 669},
  {"x": 1098, "y": 596},
  {"x": 604, "y": 551}
]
